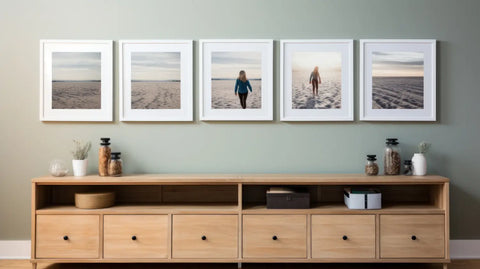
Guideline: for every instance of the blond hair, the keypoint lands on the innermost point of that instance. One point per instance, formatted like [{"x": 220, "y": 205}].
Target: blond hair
[{"x": 242, "y": 76}]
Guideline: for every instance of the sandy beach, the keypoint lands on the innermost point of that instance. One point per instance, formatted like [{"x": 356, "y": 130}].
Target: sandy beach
[
  {"x": 156, "y": 95},
  {"x": 397, "y": 92},
  {"x": 76, "y": 95},
  {"x": 223, "y": 95},
  {"x": 329, "y": 92}
]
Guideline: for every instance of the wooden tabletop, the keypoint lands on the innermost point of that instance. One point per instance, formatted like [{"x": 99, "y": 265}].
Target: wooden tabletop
[{"x": 152, "y": 179}]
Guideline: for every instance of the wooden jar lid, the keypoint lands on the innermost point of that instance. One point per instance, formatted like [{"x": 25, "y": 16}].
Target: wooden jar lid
[{"x": 94, "y": 200}]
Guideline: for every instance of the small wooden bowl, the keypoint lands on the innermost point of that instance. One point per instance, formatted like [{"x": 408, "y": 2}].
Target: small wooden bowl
[{"x": 94, "y": 200}]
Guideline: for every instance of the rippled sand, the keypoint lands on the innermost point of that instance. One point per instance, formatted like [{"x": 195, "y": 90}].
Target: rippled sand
[
  {"x": 223, "y": 95},
  {"x": 329, "y": 92},
  {"x": 397, "y": 92},
  {"x": 156, "y": 95},
  {"x": 76, "y": 95}
]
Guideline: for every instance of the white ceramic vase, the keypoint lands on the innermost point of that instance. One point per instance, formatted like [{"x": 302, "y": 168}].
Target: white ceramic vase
[
  {"x": 79, "y": 167},
  {"x": 419, "y": 163}
]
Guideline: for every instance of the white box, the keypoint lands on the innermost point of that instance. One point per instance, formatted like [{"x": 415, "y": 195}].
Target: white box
[{"x": 364, "y": 199}]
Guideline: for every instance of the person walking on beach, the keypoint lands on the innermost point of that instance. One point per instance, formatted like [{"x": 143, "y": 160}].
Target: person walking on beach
[
  {"x": 241, "y": 87},
  {"x": 315, "y": 80}
]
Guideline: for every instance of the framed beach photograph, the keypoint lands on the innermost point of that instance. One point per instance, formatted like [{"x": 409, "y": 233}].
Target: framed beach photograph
[
  {"x": 316, "y": 80},
  {"x": 236, "y": 80},
  {"x": 156, "y": 80},
  {"x": 398, "y": 80},
  {"x": 76, "y": 80}
]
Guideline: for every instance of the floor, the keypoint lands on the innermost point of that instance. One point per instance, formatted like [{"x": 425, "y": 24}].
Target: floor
[{"x": 24, "y": 264}]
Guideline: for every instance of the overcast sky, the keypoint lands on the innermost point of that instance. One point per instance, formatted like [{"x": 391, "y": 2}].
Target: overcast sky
[
  {"x": 326, "y": 62},
  {"x": 76, "y": 65},
  {"x": 155, "y": 65},
  {"x": 227, "y": 64},
  {"x": 397, "y": 64}
]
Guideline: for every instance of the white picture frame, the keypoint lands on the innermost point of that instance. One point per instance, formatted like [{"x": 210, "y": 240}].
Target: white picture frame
[
  {"x": 260, "y": 59},
  {"x": 162, "y": 71},
  {"x": 414, "y": 60},
  {"x": 333, "y": 100},
  {"x": 79, "y": 68}
]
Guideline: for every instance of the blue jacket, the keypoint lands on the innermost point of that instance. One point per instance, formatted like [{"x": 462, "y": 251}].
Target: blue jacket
[{"x": 241, "y": 87}]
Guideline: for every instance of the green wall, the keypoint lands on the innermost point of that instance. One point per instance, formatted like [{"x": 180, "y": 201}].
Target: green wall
[{"x": 27, "y": 145}]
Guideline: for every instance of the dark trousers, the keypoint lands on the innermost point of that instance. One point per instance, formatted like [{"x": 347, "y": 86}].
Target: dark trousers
[
  {"x": 315, "y": 85},
  {"x": 243, "y": 99}
]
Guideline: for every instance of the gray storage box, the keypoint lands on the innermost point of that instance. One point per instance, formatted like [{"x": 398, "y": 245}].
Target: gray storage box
[
  {"x": 362, "y": 198},
  {"x": 286, "y": 198}
]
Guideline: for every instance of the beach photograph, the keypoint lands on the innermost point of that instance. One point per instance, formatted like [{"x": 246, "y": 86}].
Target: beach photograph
[
  {"x": 236, "y": 80},
  {"x": 76, "y": 80},
  {"x": 155, "y": 80},
  {"x": 316, "y": 80},
  {"x": 397, "y": 80}
]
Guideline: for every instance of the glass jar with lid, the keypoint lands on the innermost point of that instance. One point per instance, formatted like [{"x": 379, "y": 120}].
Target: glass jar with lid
[
  {"x": 104, "y": 153},
  {"x": 371, "y": 168},
  {"x": 115, "y": 165},
  {"x": 392, "y": 160},
  {"x": 407, "y": 167}
]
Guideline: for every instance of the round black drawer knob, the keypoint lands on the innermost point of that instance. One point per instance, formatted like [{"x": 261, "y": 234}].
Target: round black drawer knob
[
  {"x": 204, "y": 237},
  {"x": 344, "y": 237},
  {"x": 414, "y": 237},
  {"x": 274, "y": 237},
  {"x": 65, "y": 237},
  {"x": 134, "y": 238}
]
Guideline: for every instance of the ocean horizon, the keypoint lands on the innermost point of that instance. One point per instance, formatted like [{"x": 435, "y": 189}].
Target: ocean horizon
[
  {"x": 76, "y": 81},
  {"x": 165, "y": 80}
]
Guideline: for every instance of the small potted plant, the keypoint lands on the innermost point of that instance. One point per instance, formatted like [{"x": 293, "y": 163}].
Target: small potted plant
[
  {"x": 419, "y": 162},
  {"x": 80, "y": 154}
]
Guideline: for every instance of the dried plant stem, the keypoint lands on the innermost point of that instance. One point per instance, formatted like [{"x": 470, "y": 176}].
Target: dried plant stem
[{"x": 80, "y": 150}]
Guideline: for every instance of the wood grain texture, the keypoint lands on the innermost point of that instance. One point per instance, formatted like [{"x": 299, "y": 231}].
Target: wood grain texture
[
  {"x": 396, "y": 233},
  {"x": 25, "y": 264},
  {"x": 341, "y": 208},
  {"x": 290, "y": 230},
  {"x": 185, "y": 179},
  {"x": 199, "y": 194},
  {"x": 446, "y": 206},
  {"x": 328, "y": 232},
  {"x": 249, "y": 234},
  {"x": 82, "y": 231},
  {"x": 220, "y": 231},
  {"x": 177, "y": 208},
  {"x": 150, "y": 231}
]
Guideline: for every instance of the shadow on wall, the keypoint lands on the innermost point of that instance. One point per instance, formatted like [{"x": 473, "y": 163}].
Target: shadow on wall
[{"x": 466, "y": 206}]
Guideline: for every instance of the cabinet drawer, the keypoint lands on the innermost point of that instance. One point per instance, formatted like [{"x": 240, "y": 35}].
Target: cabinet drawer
[
  {"x": 412, "y": 236},
  {"x": 274, "y": 236},
  {"x": 336, "y": 236},
  {"x": 68, "y": 236},
  {"x": 135, "y": 236},
  {"x": 205, "y": 236}
]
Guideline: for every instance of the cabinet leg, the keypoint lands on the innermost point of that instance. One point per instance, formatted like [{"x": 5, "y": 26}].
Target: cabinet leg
[
  {"x": 445, "y": 266},
  {"x": 34, "y": 265},
  {"x": 240, "y": 265}
]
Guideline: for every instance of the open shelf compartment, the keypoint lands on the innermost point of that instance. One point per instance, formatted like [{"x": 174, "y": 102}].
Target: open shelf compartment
[
  {"x": 144, "y": 199},
  {"x": 328, "y": 199}
]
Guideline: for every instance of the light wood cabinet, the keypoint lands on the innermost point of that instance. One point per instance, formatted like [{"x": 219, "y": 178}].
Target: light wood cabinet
[
  {"x": 135, "y": 236},
  {"x": 412, "y": 236},
  {"x": 343, "y": 236},
  {"x": 275, "y": 236},
  {"x": 223, "y": 218},
  {"x": 68, "y": 236},
  {"x": 205, "y": 236}
]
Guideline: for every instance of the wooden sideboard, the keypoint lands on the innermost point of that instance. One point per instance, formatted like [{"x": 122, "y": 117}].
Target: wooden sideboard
[{"x": 223, "y": 218}]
